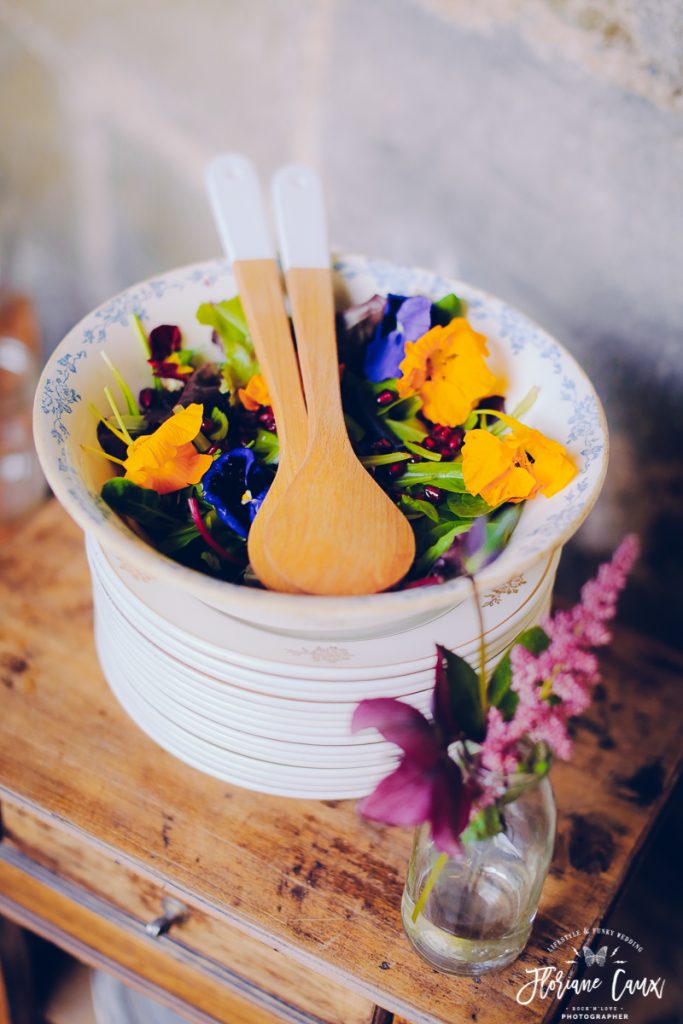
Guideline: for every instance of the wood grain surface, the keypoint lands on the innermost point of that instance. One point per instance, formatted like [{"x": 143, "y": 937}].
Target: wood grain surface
[
  {"x": 262, "y": 298},
  {"x": 307, "y": 878},
  {"x": 317, "y": 523},
  {"x": 100, "y": 939},
  {"x": 71, "y": 857}
]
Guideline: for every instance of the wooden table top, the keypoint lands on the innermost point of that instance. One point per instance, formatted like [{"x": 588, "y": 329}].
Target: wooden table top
[{"x": 309, "y": 878}]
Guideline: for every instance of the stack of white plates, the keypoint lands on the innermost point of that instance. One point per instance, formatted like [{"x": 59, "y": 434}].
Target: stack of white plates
[{"x": 270, "y": 712}]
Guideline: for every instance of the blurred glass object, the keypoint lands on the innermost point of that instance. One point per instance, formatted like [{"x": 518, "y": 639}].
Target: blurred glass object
[{"x": 22, "y": 485}]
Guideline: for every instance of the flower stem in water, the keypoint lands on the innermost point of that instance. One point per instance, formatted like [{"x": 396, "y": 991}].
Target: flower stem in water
[{"x": 439, "y": 865}]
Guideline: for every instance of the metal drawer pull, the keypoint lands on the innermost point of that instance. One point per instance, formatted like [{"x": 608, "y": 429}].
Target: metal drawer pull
[{"x": 173, "y": 913}]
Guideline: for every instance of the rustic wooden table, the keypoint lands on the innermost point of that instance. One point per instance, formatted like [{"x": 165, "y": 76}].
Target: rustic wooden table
[{"x": 292, "y": 906}]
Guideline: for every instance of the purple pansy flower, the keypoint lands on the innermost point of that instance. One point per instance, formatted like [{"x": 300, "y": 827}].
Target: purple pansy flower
[
  {"x": 404, "y": 319},
  {"x": 427, "y": 785},
  {"x": 163, "y": 342},
  {"x": 236, "y": 486}
]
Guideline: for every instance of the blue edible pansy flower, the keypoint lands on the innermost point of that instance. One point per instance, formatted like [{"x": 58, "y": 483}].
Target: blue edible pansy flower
[
  {"x": 404, "y": 319},
  {"x": 236, "y": 486}
]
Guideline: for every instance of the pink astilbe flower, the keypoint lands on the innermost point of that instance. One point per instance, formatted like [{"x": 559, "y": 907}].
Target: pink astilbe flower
[
  {"x": 557, "y": 684},
  {"x": 499, "y": 750},
  {"x": 547, "y": 688}
]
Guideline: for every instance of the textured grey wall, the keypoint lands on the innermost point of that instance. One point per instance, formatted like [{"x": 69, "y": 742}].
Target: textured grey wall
[{"x": 534, "y": 147}]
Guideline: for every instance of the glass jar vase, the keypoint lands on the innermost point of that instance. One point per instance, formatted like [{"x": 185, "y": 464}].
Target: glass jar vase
[{"x": 480, "y": 906}]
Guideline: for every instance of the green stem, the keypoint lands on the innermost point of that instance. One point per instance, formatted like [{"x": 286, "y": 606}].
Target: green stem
[
  {"x": 526, "y": 403},
  {"x": 117, "y": 415},
  {"x": 384, "y": 460},
  {"x": 519, "y": 410},
  {"x": 102, "y": 454},
  {"x": 128, "y": 395},
  {"x": 483, "y": 689},
  {"x": 140, "y": 330},
  {"x": 142, "y": 335},
  {"x": 95, "y": 411},
  {"x": 439, "y": 865}
]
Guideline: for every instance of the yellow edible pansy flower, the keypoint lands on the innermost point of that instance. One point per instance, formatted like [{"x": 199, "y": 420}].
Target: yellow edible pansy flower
[
  {"x": 446, "y": 367},
  {"x": 516, "y": 467},
  {"x": 167, "y": 460},
  {"x": 255, "y": 394},
  {"x": 173, "y": 366}
]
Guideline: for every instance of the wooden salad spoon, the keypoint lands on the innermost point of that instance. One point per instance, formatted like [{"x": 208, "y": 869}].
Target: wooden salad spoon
[
  {"x": 334, "y": 531},
  {"x": 238, "y": 210}
]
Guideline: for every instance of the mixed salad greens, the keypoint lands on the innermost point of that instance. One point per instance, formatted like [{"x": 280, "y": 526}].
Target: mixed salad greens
[{"x": 197, "y": 449}]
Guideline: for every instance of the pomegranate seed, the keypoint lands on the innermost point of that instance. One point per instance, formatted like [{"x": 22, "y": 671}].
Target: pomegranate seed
[
  {"x": 428, "y": 581},
  {"x": 386, "y": 397},
  {"x": 455, "y": 440},
  {"x": 147, "y": 397},
  {"x": 441, "y": 433},
  {"x": 429, "y": 443},
  {"x": 267, "y": 419},
  {"x": 433, "y": 494},
  {"x": 396, "y": 469},
  {"x": 208, "y": 425},
  {"x": 213, "y": 449},
  {"x": 382, "y": 444}
]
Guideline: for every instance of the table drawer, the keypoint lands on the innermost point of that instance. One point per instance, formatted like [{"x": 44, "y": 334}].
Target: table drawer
[{"x": 62, "y": 858}]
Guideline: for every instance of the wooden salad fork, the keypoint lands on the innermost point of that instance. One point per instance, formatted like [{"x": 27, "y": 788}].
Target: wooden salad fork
[
  {"x": 333, "y": 530},
  {"x": 238, "y": 210}
]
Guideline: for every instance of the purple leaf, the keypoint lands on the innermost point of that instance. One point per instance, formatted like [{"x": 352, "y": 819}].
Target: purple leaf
[
  {"x": 401, "y": 724},
  {"x": 442, "y": 705},
  {"x": 451, "y": 806},
  {"x": 403, "y": 798}
]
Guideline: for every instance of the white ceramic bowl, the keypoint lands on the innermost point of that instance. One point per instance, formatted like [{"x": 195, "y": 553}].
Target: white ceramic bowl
[{"x": 567, "y": 409}]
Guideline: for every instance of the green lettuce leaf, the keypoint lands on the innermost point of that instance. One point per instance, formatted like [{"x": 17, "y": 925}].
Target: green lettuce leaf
[
  {"x": 267, "y": 447},
  {"x": 468, "y": 506},
  {"x": 228, "y": 320},
  {"x": 140, "y": 503},
  {"x": 449, "y": 307},
  {"x": 439, "y": 540}
]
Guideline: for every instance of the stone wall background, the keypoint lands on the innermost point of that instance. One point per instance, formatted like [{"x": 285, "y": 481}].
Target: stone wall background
[{"x": 535, "y": 147}]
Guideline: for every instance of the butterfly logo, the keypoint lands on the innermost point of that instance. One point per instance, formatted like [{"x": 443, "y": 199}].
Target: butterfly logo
[
  {"x": 598, "y": 959},
  {"x": 592, "y": 959}
]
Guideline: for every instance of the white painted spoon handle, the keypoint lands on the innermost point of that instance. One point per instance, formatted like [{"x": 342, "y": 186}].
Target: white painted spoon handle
[
  {"x": 239, "y": 211},
  {"x": 238, "y": 208},
  {"x": 300, "y": 218}
]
